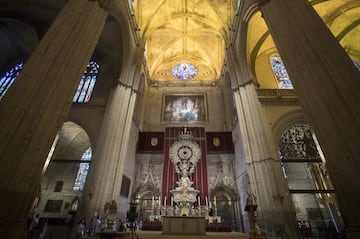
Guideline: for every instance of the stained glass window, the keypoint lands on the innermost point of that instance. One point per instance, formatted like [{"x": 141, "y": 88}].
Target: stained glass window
[
  {"x": 184, "y": 71},
  {"x": 87, "y": 83},
  {"x": 280, "y": 72},
  {"x": 83, "y": 170},
  {"x": 9, "y": 77}
]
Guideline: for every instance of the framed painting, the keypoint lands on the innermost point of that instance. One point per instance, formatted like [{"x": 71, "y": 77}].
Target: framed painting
[{"x": 184, "y": 108}]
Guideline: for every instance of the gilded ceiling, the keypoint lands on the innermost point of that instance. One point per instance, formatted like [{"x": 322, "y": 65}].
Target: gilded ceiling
[
  {"x": 197, "y": 31},
  {"x": 184, "y": 31},
  {"x": 342, "y": 17}
]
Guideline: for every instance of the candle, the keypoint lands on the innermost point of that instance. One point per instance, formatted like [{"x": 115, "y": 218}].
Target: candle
[
  {"x": 159, "y": 201},
  {"x": 165, "y": 201},
  {"x": 172, "y": 201},
  {"x": 199, "y": 201},
  {"x": 206, "y": 201}
]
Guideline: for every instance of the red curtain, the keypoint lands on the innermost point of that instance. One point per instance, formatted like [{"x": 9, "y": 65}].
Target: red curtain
[{"x": 199, "y": 177}]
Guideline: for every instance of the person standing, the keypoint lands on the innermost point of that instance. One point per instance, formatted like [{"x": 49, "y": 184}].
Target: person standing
[
  {"x": 33, "y": 232},
  {"x": 80, "y": 231}
]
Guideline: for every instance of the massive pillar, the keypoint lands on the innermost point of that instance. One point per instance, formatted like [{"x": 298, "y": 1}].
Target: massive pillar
[
  {"x": 34, "y": 108},
  {"x": 104, "y": 179},
  {"x": 328, "y": 86},
  {"x": 267, "y": 182},
  {"x": 265, "y": 177}
]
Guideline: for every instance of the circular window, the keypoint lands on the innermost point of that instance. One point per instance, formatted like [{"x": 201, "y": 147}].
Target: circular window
[{"x": 184, "y": 71}]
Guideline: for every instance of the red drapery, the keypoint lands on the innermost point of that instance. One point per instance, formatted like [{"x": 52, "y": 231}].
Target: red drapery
[{"x": 199, "y": 177}]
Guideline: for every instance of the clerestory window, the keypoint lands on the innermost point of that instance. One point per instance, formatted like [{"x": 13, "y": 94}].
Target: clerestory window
[
  {"x": 87, "y": 83},
  {"x": 281, "y": 75}
]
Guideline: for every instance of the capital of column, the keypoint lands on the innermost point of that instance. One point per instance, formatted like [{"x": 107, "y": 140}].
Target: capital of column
[
  {"x": 243, "y": 84},
  {"x": 127, "y": 86}
]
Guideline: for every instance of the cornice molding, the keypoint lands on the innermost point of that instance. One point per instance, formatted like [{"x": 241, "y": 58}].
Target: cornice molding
[
  {"x": 245, "y": 83},
  {"x": 277, "y": 96}
]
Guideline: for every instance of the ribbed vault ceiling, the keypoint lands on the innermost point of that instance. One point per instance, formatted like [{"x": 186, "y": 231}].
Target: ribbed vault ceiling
[
  {"x": 197, "y": 32},
  {"x": 184, "y": 31},
  {"x": 342, "y": 17}
]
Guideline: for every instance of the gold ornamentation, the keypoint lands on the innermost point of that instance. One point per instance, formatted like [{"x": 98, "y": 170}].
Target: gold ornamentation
[
  {"x": 154, "y": 141},
  {"x": 216, "y": 141}
]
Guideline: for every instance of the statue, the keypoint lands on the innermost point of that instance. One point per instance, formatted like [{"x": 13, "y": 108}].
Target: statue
[
  {"x": 257, "y": 233},
  {"x": 185, "y": 186},
  {"x": 110, "y": 209},
  {"x": 251, "y": 207}
]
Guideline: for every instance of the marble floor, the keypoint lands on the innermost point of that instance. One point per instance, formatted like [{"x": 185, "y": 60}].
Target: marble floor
[{"x": 208, "y": 235}]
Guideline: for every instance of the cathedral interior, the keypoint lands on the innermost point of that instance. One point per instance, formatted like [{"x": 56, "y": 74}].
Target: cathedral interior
[{"x": 245, "y": 112}]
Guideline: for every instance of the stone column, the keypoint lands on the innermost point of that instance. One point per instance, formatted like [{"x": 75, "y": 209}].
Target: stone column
[
  {"x": 34, "y": 108},
  {"x": 104, "y": 179},
  {"x": 267, "y": 182},
  {"x": 327, "y": 85},
  {"x": 103, "y": 183}
]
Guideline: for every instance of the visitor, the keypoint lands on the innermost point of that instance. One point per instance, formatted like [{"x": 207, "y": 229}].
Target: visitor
[
  {"x": 80, "y": 231},
  {"x": 140, "y": 224},
  {"x": 33, "y": 232},
  {"x": 121, "y": 227}
]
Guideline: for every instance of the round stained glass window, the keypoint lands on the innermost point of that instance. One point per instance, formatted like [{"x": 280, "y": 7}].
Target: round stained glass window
[{"x": 184, "y": 71}]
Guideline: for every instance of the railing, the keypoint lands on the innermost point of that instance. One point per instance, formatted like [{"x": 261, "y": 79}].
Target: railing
[
  {"x": 272, "y": 230},
  {"x": 319, "y": 229}
]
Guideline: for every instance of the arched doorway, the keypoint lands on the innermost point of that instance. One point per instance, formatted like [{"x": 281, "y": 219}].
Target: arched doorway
[
  {"x": 224, "y": 209},
  {"x": 64, "y": 175},
  {"x": 149, "y": 204}
]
